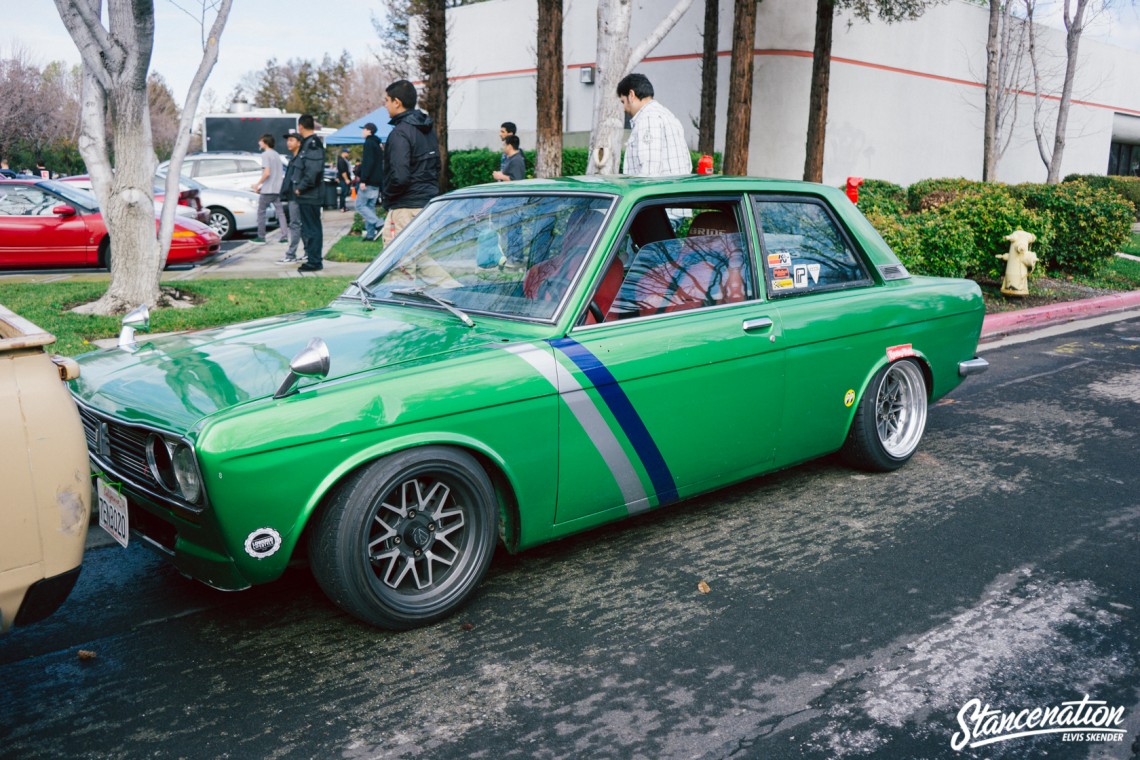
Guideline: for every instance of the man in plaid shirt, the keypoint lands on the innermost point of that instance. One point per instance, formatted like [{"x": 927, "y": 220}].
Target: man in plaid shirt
[{"x": 656, "y": 145}]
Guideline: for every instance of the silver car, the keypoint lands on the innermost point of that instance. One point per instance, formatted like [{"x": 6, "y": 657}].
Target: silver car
[{"x": 231, "y": 211}]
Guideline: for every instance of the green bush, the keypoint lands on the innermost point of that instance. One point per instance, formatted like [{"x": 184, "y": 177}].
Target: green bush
[
  {"x": 880, "y": 196},
  {"x": 1089, "y": 224},
  {"x": 929, "y": 243},
  {"x": 943, "y": 191},
  {"x": 991, "y": 214},
  {"x": 1126, "y": 187}
]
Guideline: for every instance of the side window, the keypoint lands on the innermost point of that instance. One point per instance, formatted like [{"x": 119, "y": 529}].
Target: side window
[
  {"x": 675, "y": 257},
  {"x": 246, "y": 165},
  {"x": 213, "y": 167},
  {"x": 187, "y": 168},
  {"x": 804, "y": 252},
  {"x": 21, "y": 200}
]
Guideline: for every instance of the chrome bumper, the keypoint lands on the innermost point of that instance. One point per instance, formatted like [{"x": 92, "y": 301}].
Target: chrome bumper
[{"x": 973, "y": 366}]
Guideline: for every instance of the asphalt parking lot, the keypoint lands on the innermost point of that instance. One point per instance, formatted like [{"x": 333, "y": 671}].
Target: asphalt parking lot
[{"x": 847, "y": 614}]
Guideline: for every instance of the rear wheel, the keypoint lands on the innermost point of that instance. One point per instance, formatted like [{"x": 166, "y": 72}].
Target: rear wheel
[
  {"x": 105, "y": 253},
  {"x": 222, "y": 221},
  {"x": 890, "y": 420},
  {"x": 408, "y": 540}
]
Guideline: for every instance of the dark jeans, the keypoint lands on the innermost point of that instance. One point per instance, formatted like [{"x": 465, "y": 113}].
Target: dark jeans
[
  {"x": 342, "y": 201},
  {"x": 312, "y": 234}
]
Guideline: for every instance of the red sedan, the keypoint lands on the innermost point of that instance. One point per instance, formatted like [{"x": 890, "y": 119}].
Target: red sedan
[{"x": 49, "y": 224}]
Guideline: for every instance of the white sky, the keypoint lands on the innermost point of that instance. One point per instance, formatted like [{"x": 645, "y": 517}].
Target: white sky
[{"x": 262, "y": 29}]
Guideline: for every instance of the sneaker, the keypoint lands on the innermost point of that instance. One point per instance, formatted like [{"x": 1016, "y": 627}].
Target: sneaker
[
  {"x": 283, "y": 240},
  {"x": 287, "y": 260},
  {"x": 258, "y": 241},
  {"x": 307, "y": 267}
]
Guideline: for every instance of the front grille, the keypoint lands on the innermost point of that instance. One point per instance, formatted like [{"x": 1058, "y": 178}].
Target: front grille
[{"x": 125, "y": 458}]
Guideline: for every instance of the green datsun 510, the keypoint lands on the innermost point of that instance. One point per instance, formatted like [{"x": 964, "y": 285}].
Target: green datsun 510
[{"x": 523, "y": 363}]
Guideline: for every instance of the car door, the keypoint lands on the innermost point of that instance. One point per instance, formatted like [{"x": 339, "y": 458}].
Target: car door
[
  {"x": 837, "y": 322},
  {"x": 226, "y": 173},
  {"x": 33, "y": 236},
  {"x": 675, "y": 364}
]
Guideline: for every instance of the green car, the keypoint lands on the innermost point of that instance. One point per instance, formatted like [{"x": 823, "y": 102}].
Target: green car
[{"x": 523, "y": 363}]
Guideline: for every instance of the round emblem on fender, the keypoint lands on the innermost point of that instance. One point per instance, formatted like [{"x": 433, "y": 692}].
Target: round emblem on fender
[
  {"x": 849, "y": 399},
  {"x": 420, "y": 536},
  {"x": 262, "y": 543}
]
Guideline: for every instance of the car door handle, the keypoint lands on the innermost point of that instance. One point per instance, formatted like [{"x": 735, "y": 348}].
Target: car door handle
[{"x": 756, "y": 325}]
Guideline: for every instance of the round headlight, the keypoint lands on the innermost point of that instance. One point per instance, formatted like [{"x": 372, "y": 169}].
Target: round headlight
[
  {"x": 186, "y": 470},
  {"x": 160, "y": 462}
]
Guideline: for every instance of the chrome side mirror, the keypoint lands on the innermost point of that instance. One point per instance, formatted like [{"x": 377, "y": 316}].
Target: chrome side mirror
[
  {"x": 310, "y": 361},
  {"x": 137, "y": 318}
]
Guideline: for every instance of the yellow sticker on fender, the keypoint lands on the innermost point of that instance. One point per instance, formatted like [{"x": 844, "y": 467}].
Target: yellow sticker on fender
[{"x": 849, "y": 398}]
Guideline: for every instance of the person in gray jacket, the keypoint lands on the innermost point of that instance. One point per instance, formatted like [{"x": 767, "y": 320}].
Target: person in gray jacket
[
  {"x": 307, "y": 179},
  {"x": 292, "y": 208}
]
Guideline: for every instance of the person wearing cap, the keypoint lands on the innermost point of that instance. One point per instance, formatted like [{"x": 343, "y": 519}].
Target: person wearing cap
[
  {"x": 371, "y": 180},
  {"x": 343, "y": 178},
  {"x": 307, "y": 184},
  {"x": 292, "y": 235}
]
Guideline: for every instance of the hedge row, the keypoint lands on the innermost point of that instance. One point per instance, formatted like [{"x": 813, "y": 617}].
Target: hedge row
[
  {"x": 956, "y": 227},
  {"x": 1128, "y": 187},
  {"x": 474, "y": 167}
]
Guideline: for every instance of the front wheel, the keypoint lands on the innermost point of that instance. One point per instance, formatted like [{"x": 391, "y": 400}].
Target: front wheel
[
  {"x": 407, "y": 540},
  {"x": 222, "y": 221},
  {"x": 890, "y": 420}
]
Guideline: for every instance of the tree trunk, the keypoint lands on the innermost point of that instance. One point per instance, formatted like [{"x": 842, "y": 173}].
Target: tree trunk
[
  {"x": 820, "y": 86},
  {"x": 706, "y": 141},
  {"x": 548, "y": 89},
  {"x": 738, "y": 128},
  {"x": 615, "y": 60},
  {"x": 1074, "y": 26},
  {"x": 435, "y": 20},
  {"x": 993, "y": 85}
]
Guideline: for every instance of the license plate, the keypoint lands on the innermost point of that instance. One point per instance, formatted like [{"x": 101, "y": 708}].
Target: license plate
[{"x": 113, "y": 512}]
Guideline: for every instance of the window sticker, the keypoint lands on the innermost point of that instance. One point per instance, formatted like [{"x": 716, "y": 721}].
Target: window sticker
[
  {"x": 780, "y": 259},
  {"x": 785, "y": 284}
]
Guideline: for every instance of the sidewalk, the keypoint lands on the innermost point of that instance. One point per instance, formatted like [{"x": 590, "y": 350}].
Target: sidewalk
[{"x": 253, "y": 260}]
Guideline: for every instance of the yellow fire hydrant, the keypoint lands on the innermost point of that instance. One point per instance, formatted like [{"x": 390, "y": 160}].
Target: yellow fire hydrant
[{"x": 1019, "y": 262}]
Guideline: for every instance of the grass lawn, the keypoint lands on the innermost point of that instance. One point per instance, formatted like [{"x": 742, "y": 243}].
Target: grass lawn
[
  {"x": 353, "y": 248},
  {"x": 1132, "y": 246},
  {"x": 222, "y": 302}
]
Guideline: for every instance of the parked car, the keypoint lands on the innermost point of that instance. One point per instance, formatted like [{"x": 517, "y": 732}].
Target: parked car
[
  {"x": 230, "y": 211},
  {"x": 45, "y": 223},
  {"x": 520, "y": 364},
  {"x": 189, "y": 200},
  {"x": 234, "y": 170},
  {"x": 44, "y": 469}
]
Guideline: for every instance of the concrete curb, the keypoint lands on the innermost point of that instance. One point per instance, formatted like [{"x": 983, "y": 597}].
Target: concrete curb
[{"x": 996, "y": 326}]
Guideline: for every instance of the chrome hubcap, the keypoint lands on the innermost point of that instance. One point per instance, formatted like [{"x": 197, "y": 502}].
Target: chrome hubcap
[
  {"x": 900, "y": 409},
  {"x": 416, "y": 535}
]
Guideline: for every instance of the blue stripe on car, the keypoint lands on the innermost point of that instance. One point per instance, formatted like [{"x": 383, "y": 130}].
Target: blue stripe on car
[{"x": 627, "y": 417}]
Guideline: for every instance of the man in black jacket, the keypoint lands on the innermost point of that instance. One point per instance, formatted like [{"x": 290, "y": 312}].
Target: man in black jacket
[
  {"x": 411, "y": 158},
  {"x": 307, "y": 179},
  {"x": 371, "y": 180}
]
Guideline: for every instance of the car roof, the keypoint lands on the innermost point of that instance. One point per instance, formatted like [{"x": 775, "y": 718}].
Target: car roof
[{"x": 649, "y": 186}]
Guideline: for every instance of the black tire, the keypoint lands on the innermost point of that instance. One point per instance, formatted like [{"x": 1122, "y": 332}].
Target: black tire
[
  {"x": 222, "y": 221},
  {"x": 890, "y": 420},
  {"x": 105, "y": 253},
  {"x": 394, "y": 550}
]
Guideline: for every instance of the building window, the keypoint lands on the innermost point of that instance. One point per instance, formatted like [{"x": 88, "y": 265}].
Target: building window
[{"x": 1124, "y": 160}]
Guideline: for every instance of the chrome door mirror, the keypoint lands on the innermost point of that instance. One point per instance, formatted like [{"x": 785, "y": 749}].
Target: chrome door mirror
[
  {"x": 137, "y": 318},
  {"x": 311, "y": 361}
]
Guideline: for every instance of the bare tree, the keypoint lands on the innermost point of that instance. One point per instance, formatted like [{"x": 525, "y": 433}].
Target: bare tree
[
  {"x": 433, "y": 62},
  {"x": 164, "y": 115},
  {"x": 706, "y": 139},
  {"x": 993, "y": 60},
  {"x": 549, "y": 89},
  {"x": 116, "y": 59},
  {"x": 1005, "y": 55},
  {"x": 886, "y": 10},
  {"x": 738, "y": 128},
  {"x": 615, "y": 60}
]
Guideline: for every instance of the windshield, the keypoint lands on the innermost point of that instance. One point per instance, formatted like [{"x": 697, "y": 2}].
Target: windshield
[
  {"x": 511, "y": 255},
  {"x": 73, "y": 195}
]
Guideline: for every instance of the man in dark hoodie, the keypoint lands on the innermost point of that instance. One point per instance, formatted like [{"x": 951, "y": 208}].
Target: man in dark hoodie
[
  {"x": 411, "y": 159},
  {"x": 371, "y": 180},
  {"x": 307, "y": 179}
]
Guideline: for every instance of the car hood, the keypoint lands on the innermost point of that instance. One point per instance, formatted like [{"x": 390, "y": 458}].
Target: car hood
[{"x": 171, "y": 382}]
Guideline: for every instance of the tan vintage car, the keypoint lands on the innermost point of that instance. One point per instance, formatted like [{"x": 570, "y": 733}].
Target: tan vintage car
[{"x": 44, "y": 472}]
